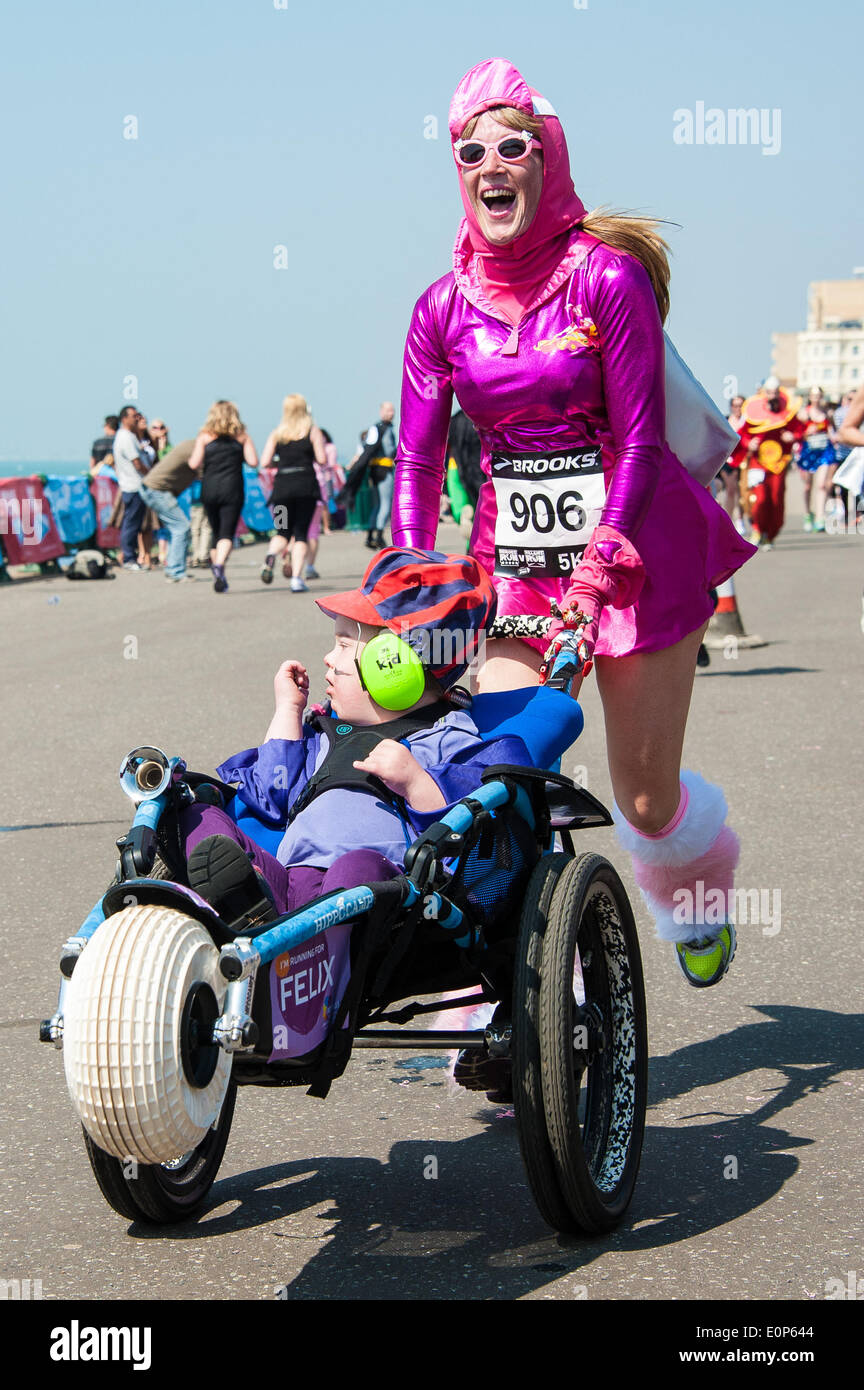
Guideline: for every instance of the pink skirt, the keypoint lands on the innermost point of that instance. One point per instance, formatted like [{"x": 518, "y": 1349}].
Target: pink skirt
[{"x": 688, "y": 546}]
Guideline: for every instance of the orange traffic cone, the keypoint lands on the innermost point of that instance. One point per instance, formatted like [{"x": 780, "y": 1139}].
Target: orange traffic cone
[{"x": 725, "y": 628}]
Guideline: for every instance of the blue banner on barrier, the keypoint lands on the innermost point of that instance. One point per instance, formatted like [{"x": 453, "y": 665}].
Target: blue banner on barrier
[
  {"x": 71, "y": 507},
  {"x": 256, "y": 513}
]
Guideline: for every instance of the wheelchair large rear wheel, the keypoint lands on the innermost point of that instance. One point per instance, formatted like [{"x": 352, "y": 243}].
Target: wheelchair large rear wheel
[
  {"x": 527, "y": 1063},
  {"x": 593, "y": 1042}
]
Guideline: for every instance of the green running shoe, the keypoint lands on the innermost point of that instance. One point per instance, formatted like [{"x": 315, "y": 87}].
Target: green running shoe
[{"x": 706, "y": 961}]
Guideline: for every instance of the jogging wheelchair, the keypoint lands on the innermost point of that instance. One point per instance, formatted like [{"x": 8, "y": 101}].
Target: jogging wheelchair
[{"x": 164, "y": 1012}]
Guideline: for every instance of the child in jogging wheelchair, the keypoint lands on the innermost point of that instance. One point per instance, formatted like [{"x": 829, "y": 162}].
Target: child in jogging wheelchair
[
  {"x": 356, "y": 782},
  {"x": 393, "y": 846}
]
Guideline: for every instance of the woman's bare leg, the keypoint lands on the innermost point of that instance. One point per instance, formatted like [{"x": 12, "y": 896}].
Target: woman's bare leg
[
  {"x": 298, "y": 558},
  {"x": 145, "y": 546},
  {"x": 510, "y": 665},
  {"x": 220, "y": 552},
  {"x": 646, "y": 698},
  {"x": 680, "y": 845},
  {"x": 807, "y": 487},
  {"x": 820, "y": 477},
  {"x": 826, "y": 486},
  {"x": 278, "y": 545}
]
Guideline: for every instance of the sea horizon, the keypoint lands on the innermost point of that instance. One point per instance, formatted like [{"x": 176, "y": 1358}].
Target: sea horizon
[{"x": 62, "y": 467}]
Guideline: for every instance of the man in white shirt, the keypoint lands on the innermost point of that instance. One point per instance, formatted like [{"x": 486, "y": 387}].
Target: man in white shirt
[{"x": 130, "y": 469}]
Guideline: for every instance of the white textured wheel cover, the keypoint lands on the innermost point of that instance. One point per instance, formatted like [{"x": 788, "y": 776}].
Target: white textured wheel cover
[{"x": 121, "y": 1035}]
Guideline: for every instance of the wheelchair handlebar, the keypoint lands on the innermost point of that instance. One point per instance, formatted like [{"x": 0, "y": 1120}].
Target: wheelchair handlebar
[{"x": 443, "y": 840}]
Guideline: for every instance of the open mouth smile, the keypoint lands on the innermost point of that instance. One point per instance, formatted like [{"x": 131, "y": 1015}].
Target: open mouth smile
[{"x": 498, "y": 201}]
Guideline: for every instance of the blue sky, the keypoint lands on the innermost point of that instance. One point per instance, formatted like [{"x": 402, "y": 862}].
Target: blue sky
[{"x": 303, "y": 127}]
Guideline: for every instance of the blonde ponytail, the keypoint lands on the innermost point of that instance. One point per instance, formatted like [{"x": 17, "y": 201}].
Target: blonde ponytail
[{"x": 638, "y": 236}]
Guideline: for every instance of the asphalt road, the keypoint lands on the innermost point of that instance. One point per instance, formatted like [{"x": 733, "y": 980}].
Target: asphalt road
[{"x": 752, "y": 1168}]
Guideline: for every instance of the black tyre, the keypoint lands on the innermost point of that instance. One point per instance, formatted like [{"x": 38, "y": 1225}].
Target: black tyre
[
  {"x": 593, "y": 1042},
  {"x": 165, "y": 1192},
  {"x": 527, "y": 1082}
]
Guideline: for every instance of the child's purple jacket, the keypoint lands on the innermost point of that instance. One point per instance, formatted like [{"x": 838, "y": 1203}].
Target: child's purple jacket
[{"x": 271, "y": 777}]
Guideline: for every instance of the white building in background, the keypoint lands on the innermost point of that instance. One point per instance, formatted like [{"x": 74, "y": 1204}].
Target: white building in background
[{"x": 829, "y": 352}]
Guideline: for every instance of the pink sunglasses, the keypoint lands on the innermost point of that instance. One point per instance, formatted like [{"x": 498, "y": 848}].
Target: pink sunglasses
[{"x": 513, "y": 149}]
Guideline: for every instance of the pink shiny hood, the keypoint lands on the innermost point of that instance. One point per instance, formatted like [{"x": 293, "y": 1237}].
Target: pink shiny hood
[{"x": 512, "y": 277}]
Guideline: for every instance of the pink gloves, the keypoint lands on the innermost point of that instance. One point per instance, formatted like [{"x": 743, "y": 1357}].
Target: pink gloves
[{"x": 610, "y": 571}]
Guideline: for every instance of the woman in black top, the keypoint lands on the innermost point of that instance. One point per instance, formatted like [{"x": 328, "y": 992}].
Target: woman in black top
[
  {"x": 293, "y": 450},
  {"x": 221, "y": 449}
]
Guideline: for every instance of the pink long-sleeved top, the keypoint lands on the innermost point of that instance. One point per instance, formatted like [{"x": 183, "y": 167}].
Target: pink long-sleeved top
[{"x": 587, "y": 369}]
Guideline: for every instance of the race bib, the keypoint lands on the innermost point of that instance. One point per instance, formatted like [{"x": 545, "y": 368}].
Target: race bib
[{"x": 547, "y": 507}]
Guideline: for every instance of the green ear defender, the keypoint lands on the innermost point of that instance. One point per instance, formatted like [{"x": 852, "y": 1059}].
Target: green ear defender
[{"x": 391, "y": 671}]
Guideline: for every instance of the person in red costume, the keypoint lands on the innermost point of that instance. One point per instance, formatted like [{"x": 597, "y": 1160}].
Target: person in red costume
[
  {"x": 768, "y": 428},
  {"x": 549, "y": 332}
]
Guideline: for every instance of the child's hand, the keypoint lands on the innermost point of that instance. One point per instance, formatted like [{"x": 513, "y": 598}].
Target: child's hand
[
  {"x": 291, "y": 685},
  {"x": 401, "y": 772}
]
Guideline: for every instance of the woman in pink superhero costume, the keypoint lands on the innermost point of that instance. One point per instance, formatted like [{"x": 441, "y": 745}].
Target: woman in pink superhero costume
[{"x": 551, "y": 337}]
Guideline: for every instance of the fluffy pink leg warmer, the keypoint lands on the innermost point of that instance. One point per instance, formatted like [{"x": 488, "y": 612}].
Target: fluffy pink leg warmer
[
  {"x": 465, "y": 1018},
  {"x": 687, "y": 865}
]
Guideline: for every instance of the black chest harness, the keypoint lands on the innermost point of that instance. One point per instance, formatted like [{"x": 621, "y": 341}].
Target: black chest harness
[{"x": 347, "y": 744}]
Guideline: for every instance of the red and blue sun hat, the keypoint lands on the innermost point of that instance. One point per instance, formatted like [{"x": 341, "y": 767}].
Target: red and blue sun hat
[{"x": 441, "y": 605}]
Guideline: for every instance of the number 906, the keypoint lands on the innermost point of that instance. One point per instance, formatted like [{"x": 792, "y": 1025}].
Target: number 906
[{"x": 540, "y": 512}]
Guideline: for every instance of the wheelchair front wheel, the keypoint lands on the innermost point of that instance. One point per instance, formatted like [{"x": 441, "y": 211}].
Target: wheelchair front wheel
[
  {"x": 593, "y": 1042},
  {"x": 146, "y": 1079},
  {"x": 163, "y": 1193}
]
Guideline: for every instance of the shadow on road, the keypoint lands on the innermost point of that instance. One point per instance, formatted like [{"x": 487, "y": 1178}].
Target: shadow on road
[
  {"x": 761, "y": 671},
  {"x": 62, "y": 824},
  {"x": 395, "y": 1235}
]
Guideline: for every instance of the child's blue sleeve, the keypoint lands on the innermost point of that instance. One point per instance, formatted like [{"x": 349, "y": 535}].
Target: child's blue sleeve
[
  {"x": 272, "y": 777},
  {"x": 461, "y": 774}
]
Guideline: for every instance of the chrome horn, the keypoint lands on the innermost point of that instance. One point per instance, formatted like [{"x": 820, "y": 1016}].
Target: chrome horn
[{"x": 144, "y": 774}]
